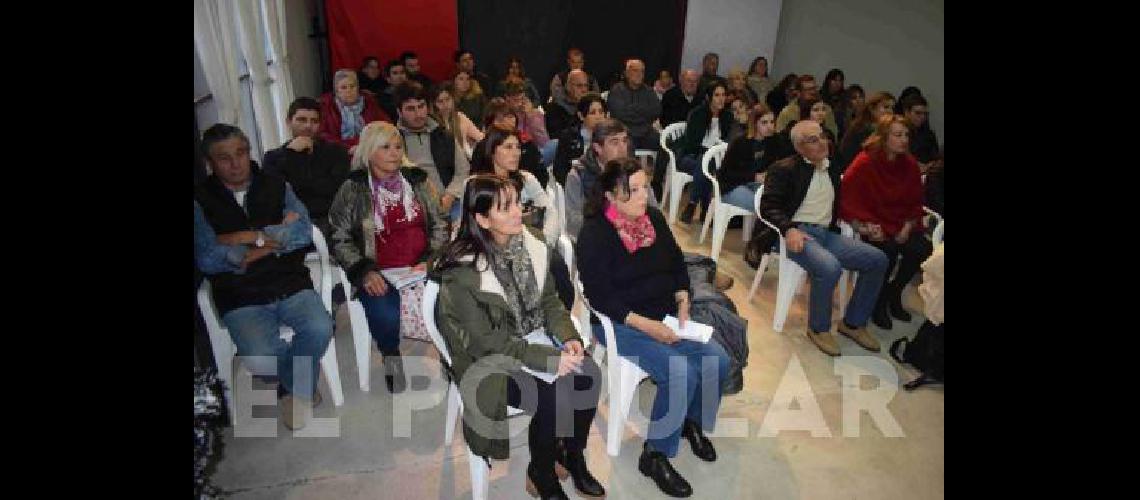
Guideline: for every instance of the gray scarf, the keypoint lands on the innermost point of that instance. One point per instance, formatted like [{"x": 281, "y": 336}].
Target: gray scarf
[
  {"x": 351, "y": 119},
  {"x": 514, "y": 269}
]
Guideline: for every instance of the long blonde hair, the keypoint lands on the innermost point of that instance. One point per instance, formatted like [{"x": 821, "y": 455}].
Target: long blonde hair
[{"x": 374, "y": 136}]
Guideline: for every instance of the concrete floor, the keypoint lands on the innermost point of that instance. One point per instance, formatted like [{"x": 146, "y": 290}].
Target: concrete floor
[{"x": 867, "y": 458}]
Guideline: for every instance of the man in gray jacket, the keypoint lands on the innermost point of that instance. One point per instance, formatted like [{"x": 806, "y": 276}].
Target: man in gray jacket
[
  {"x": 431, "y": 147},
  {"x": 637, "y": 106}
]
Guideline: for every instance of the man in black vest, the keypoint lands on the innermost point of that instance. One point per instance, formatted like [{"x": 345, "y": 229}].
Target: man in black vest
[
  {"x": 250, "y": 235},
  {"x": 313, "y": 167},
  {"x": 431, "y": 147}
]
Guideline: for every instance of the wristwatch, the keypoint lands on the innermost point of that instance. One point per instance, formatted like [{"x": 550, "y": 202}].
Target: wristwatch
[{"x": 260, "y": 241}]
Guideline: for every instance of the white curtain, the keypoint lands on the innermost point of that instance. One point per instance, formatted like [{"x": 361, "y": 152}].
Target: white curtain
[
  {"x": 280, "y": 71},
  {"x": 251, "y": 39},
  {"x": 214, "y": 40}
]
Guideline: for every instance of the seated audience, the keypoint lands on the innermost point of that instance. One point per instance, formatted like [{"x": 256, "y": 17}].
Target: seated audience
[
  {"x": 499, "y": 114},
  {"x": 516, "y": 74},
  {"x": 250, "y": 236},
  {"x": 396, "y": 75},
  {"x": 386, "y": 215},
  {"x": 663, "y": 83},
  {"x": 530, "y": 121},
  {"x": 572, "y": 143},
  {"x": 814, "y": 109},
  {"x": 801, "y": 199},
  {"x": 562, "y": 114},
  {"x": 834, "y": 95},
  {"x": 575, "y": 61},
  {"x": 739, "y": 106},
  {"x": 634, "y": 273},
  {"x": 501, "y": 152},
  {"x": 680, "y": 100},
  {"x": 709, "y": 64},
  {"x": 882, "y": 199},
  {"x": 862, "y": 127},
  {"x": 738, "y": 85},
  {"x": 758, "y": 79},
  {"x": 923, "y": 142},
  {"x": 412, "y": 67},
  {"x": 465, "y": 62},
  {"x": 430, "y": 146},
  {"x": 708, "y": 125},
  {"x": 496, "y": 295},
  {"x": 347, "y": 110},
  {"x": 785, "y": 92},
  {"x": 369, "y": 76},
  {"x": 747, "y": 159},
  {"x": 314, "y": 167},
  {"x": 455, "y": 122},
  {"x": 634, "y": 104},
  {"x": 806, "y": 89},
  {"x": 903, "y": 96},
  {"x": 469, "y": 97},
  {"x": 608, "y": 141}
]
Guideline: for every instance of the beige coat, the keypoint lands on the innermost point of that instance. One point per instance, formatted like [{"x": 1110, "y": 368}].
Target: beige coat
[{"x": 932, "y": 288}]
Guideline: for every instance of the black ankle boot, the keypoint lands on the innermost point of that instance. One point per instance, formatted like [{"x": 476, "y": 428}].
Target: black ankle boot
[
  {"x": 880, "y": 317},
  {"x": 656, "y": 465},
  {"x": 896, "y": 307},
  {"x": 543, "y": 484},
  {"x": 574, "y": 464},
  {"x": 687, "y": 212},
  {"x": 701, "y": 445}
]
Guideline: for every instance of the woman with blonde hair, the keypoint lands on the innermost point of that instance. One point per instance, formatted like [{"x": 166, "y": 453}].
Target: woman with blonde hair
[{"x": 386, "y": 215}]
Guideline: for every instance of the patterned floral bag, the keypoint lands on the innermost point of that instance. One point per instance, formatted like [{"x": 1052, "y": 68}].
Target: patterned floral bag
[{"x": 411, "y": 312}]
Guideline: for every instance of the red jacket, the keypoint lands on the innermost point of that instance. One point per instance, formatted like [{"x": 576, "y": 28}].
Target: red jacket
[{"x": 330, "y": 118}]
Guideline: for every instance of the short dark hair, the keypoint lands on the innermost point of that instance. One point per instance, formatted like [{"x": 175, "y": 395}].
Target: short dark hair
[
  {"x": 606, "y": 128},
  {"x": 368, "y": 59},
  {"x": 912, "y": 101},
  {"x": 805, "y": 107},
  {"x": 803, "y": 78},
  {"x": 303, "y": 103},
  {"x": 708, "y": 55},
  {"x": 218, "y": 133},
  {"x": 614, "y": 173},
  {"x": 588, "y": 99},
  {"x": 408, "y": 91},
  {"x": 408, "y": 55},
  {"x": 392, "y": 64},
  {"x": 497, "y": 107},
  {"x": 459, "y": 53}
]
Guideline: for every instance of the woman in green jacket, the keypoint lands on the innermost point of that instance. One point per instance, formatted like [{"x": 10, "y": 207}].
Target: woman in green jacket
[{"x": 499, "y": 314}]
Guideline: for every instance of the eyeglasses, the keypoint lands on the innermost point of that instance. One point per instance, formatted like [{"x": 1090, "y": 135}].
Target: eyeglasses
[{"x": 812, "y": 139}]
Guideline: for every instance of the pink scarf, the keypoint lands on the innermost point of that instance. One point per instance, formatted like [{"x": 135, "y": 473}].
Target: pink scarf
[{"x": 637, "y": 233}]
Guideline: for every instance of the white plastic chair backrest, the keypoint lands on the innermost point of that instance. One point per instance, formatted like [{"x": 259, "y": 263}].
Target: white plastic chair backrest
[
  {"x": 566, "y": 248},
  {"x": 647, "y": 157},
  {"x": 322, "y": 278},
  {"x": 431, "y": 293},
  {"x": 606, "y": 96},
  {"x": 670, "y": 134},
  {"x": 939, "y": 227},
  {"x": 714, "y": 153}
]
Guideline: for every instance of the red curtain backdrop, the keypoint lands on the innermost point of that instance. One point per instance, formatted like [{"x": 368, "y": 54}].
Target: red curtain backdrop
[{"x": 386, "y": 28}]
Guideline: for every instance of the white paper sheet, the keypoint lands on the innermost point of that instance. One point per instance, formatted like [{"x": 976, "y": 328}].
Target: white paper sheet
[
  {"x": 401, "y": 277},
  {"x": 697, "y": 332}
]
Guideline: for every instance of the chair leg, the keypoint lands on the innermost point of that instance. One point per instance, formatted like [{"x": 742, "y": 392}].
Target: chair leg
[
  {"x": 720, "y": 228},
  {"x": 786, "y": 286},
  {"x": 749, "y": 221},
  {"x": 675, "y": 191},
  {"x": 454, "y": 406},
  {"x": 759, "y": 274},
  {"x": 843, "y": 292},
  {"x": 332, "y": 373},
  {"x": 621, "y": 395},
  {"x": 708, "y": 219},
  {"x": 480, "y": 475},
  {"x": 362, "y": 342}
]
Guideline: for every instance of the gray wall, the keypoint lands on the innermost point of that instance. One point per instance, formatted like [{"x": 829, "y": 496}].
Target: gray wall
[
  {"x": 737, "y": 30},
  {"x": 879, "y": 44},
  {"x": 304, "y": 59}
]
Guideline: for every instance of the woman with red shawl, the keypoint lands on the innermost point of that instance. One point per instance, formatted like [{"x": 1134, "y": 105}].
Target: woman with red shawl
[{"x": 882, "y": 199}]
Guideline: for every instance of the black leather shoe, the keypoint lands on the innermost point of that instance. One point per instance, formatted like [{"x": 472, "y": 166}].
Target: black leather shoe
[
  {"x": 880, "y": 317},
  {"x": 545, "y": 487},
  {"x": 701, "y": 445},
  {"x": 394, "y": 373},
  {"x": 656, "y": 465},
  {"x": 687, "y": 213},
  {"x": 574, "y": 464}
]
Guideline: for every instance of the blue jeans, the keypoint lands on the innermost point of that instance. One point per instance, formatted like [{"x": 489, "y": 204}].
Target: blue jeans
[
  {"x": 702, "y": 187},
  {"x": 456, "y": 211},
  {"x": 824, "y": 257},
  {"x": 256, "y": 332},
  {"x": 548, "y": 151},
  {"x": 743, "y": 196},
  {"x": 383, "y": 313},
  {"x": 653, "y": 357}
]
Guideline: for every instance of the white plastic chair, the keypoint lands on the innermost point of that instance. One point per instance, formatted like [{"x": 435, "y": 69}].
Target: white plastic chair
[
  {"x": 674, "y": 181},
  {"x": 223, "y": 345},
  {"x": 791, "y": 276},
  {"x": 558, "y": 195},
  {"x": 939, "y": 227},
  {"x": 721, "y": 213}
]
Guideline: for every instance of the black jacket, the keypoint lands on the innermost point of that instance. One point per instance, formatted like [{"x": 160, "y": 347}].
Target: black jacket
[
  {"x": 570, "y": 147},
  {"x": 698, "y": 126},
  {"x": 270, "y": 278},
  {"x": 674, "y": 107},
  {"x": 315, "y": 176},
  {"x": 745, "y": 158},
  {"x": 531, "y": 161},
  {"x": 785, "y": 188},
  {"x": 558, "y": 119},
  {"x": 923, "y": 143}
]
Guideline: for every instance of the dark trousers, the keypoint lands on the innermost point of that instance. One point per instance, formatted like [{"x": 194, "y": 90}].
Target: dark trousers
[
  {"x": 915, "y": 250},
  {"x": 551, "y": 418}
]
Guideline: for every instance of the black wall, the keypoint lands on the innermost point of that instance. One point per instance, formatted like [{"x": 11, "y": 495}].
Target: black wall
[{"x": 540, "y": 32}]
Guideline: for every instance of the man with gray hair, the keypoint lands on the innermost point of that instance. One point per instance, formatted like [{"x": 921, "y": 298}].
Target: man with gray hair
[
  {"x": 636, "y": 105},
  {"x": 800, "y": 201},
  {"x": 679, "y": 100}
]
